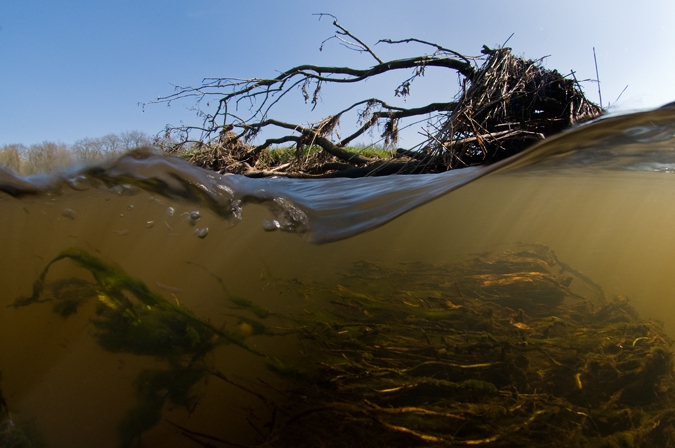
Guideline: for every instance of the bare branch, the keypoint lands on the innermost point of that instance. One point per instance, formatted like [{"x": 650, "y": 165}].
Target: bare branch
[
  {"x": 359, "y": 45},
  {"x": 397, "y": 114},
  {"x": 246, "y": 89},
  {"x": 313, "y": 137},
  {"x": 503, "y": 105},
  {"x": 439, "y": 48},
  {"x": 276, "y": 141}
]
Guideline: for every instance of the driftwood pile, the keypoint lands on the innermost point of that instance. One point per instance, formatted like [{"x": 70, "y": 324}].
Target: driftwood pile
[
  {"x": 509, "y": 104},
  {"x": 504, "y": 106}
]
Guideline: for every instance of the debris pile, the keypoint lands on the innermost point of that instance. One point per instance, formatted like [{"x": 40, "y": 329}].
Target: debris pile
[{"x": 507, "y": 106}]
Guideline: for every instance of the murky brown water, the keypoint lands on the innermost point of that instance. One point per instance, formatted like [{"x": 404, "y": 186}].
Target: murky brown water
[{"x": 613, "y": 223}]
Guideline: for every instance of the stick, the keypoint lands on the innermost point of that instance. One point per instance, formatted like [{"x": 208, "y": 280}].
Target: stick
[{"x": 597, "y": 77}]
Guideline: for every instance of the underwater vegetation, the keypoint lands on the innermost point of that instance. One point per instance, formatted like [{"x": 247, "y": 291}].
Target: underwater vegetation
[
  {"x": 510, "y": 349},
  {"x": 505, "y": 349},
  {"x": 130, "y": 318}
]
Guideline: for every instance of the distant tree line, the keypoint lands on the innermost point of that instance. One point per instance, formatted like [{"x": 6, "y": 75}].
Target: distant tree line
[{"x": 47, "y": 157}]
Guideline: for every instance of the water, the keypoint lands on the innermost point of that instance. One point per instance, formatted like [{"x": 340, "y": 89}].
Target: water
[{"x": 600, "y": 196}]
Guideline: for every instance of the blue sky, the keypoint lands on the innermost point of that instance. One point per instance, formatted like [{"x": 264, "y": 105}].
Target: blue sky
[{"x": 71, "y": 69}]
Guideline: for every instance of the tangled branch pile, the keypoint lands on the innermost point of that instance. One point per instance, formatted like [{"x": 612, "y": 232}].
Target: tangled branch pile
[
  {"x": 514, "y": 349},
  {"x": 505, "y": 104},
  {"x": 509, "y": 104}
]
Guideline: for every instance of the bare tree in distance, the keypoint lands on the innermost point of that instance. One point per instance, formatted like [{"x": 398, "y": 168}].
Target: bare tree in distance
[
  {"x": 109, "y": 146},
  {"x": 48, "y": 157},
  {"x": 11, "y": 157},
  {"x": 504, "y": 104}
]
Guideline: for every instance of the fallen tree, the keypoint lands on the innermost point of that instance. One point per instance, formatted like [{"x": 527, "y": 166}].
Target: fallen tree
[{"x": 505, "y": 104}]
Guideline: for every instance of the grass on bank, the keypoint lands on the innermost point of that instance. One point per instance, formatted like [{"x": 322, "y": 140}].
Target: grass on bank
[
  {"x": 280, "y": 155},
  {"x": 237, "y": 158}
]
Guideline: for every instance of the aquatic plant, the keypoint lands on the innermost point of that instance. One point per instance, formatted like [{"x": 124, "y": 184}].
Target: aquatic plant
[
  {"x": 130, "y": 318},
  {"x": 504, "y": 350}
]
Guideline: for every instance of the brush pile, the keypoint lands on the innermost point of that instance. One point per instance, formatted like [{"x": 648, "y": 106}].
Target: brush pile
[
  {"x": 509, "y": 104},
  {"x": 505, "y": 104},
  {"x": 513, "y": 349},
  {"x": 226, "y": 155}
]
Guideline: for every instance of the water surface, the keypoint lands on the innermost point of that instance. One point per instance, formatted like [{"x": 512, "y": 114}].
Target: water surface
[{"x": 601, "y": 197}]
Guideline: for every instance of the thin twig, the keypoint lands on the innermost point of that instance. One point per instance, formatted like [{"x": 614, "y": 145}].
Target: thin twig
[
  {"x": 346, "y": 32},
  {"x": 597, "y": 77}
]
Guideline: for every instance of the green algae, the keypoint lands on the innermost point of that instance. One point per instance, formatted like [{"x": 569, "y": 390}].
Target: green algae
[{"x": 130, "y": 318}]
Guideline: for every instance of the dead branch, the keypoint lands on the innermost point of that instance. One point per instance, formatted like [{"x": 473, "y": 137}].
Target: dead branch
[
  {"x": 503, "y": 106},
  {"x": 359, "y": 46},
  {"x": 439, "y": 49}
]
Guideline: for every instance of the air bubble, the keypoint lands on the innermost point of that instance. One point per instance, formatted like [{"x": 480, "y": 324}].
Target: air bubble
[
  {"x": 69, "y": 213},
  {"x": 79, "y": 183},
  {"x": 271, "y": 226},
  {"x": 193, "y": 217},
  {"x": 124, "y": 190}
]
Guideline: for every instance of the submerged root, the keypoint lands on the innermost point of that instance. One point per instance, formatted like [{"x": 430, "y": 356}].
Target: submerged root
[
  {"x": 502, "y": 350},
  {"x": 510, "y": 349}
]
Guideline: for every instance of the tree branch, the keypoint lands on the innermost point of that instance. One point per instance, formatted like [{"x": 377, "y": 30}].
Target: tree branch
[
  {"x": 317, "y": 72},
  {"x": 344, "y": 32},
  {"x": 398, "y": 114},
  {"x": 432, "y": 44},
  {"x": 311, "y": 137},
  {"x": 502, "y": 105}
]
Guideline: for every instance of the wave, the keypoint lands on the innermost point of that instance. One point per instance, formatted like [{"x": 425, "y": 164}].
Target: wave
[{"x": 324, "y": 210}]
